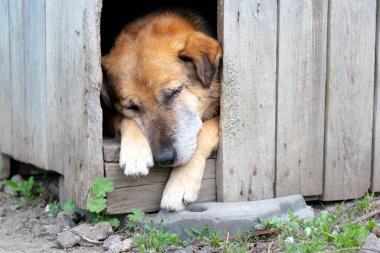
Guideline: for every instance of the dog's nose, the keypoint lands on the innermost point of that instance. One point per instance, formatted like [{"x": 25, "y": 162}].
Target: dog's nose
[{"x": 165, "y": 157}]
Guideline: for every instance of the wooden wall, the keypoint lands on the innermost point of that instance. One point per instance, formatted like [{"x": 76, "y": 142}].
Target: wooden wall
[
  {"x": 50, "y": 78},
  {"x": 298, "y": 99},
  {"x": 299, "y": 102}
]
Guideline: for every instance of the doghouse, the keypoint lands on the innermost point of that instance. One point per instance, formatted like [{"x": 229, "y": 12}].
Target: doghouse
[{"x": 299, "y": 101}]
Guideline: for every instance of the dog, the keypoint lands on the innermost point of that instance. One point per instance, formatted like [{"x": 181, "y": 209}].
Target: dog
[{"x": 163, "y": 80}]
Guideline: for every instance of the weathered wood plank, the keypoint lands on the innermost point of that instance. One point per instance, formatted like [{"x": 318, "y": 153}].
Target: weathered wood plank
[
  {"x": 6, "y": 143},
  {"x": 73, "y": 80},
  {"x": 148, "y": 197},
  {"x": 17, "y": 56},
  {"x": 157, "y": 175},
  {"x": 35, "y": 81},
  {"x": 350, "y": 90},
  {"x": 246, "y": 155},
  {"x": 111, "y": 150},
  {"x": 301, "y": 97},
  {"x": 375, "y": 177}
]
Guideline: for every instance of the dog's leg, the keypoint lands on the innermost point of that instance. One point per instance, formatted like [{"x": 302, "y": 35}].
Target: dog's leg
[
  {"x": 135, "y": 154},
  {"x": 185, "y": 181}
]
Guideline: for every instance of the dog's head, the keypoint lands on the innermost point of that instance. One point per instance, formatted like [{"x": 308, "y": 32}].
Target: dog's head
[{"x": 160, "y": 70}]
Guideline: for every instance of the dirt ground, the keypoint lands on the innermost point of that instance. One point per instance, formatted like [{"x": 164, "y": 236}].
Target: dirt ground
[{"x": 23, "y": 229}]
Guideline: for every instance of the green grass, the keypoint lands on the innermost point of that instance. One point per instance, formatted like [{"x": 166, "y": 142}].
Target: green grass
[
  {"x": 53, "y": 208},
  {"x": 28, "y": 189},
  {"x": 153, "y": 238}
]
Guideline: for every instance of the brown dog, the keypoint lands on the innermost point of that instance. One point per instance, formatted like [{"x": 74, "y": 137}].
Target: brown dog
[{"x": 163, "y": 75}]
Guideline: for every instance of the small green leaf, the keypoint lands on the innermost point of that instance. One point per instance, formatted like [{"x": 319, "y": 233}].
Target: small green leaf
[
  {"x": 136, "y": 215},
  {"x": 101, "y": 186},
  {"x": 12, "y": 184},
  {"x": 69, "y": 206},
  {"x": 97, "y": 205},
  {"x": 114, "y": 222}
]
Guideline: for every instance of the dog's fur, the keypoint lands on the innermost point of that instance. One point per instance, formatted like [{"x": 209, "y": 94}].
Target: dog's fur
[{"x": 163, "y": 79}]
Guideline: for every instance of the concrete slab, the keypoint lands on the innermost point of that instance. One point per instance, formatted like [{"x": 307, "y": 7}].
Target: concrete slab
[{"x": 232, "y": 217}]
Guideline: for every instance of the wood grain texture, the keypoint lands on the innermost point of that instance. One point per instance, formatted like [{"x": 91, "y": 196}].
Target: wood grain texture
[
  {"x": 35, "y": 82},
  {"x": 247, "y": 30},
  {"x": 350, "y": 90},
  {"x": 6, "y": 143},
  {"x": 17, "y": 57},
  {"x": 157, "y": 175},
  {"x": 301, "y": 97},
  {"x": 148, "y": 197},
  {"x": 146, "y": 192},
  {"x": 375, "y": 177},
  {"x": 73, "y": 80}
]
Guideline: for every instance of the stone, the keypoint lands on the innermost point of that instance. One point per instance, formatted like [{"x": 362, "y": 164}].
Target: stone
[
  {"x": 98, "y": 232},
  {"x": 2, "y": 212},
  {"x": 11, "y": 208},
  {"x": 172, "y": 249},
  {"x": 38, "y": 229},
  {"x": 371, "y": 244},
  {"x": 65, "y": 220},
  {"x": 121, "y": 246},
  {"x": 376, "y": 231},
  {"x": 110, "y": 241},
  {"x": 16, "y": 178},
  {"x": 66, "y": 239},
  {"x": 53, "y": 229},
  {"x": 231, "y": 217}
]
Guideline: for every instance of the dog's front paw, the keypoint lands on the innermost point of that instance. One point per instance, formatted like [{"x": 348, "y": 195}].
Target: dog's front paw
[
  {"x": 136, "y": 158},
  {"x": 179, "y": 191}
]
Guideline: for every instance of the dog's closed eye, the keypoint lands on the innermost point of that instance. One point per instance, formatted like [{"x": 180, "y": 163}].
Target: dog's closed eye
[{"x": 170, "y": 94}]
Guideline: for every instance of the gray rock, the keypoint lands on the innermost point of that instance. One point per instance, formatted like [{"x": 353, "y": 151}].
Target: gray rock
[
  {"x": 16, "y": 178},
  {"x": 99, "y": 231},
  {"x": 110, "y": 241},
  {"x": 371, "y": 244},
  {"x": 205, "y": 249},
  {"x": 376, "y": 231},
  {"x": 38, "y": 229},
  {"x": 11, "y": 208},
  {"x": 121, "y": 246},
  {"x": 53, "y": 229},
  {"x": 232, "y": 217},
  {"x": 2, "y": 212},
  {"x": 64, "y": 219},
  {"x": 188, "y": 249},
  {"x": 66, "y": 239}
]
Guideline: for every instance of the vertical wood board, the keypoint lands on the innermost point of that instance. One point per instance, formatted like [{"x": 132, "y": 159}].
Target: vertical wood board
[
  {"x": 35, "y": 81},
  {"x": 301, "y": 97},
  {"x": 246, "y": 155},
  {"x": 350, "y": 90},
  {"x": 73, "y": 79},
  {"x": 375, "y": 177},
  {"x": 6, "y": 143},
  {"x": 17, "y": 58}
]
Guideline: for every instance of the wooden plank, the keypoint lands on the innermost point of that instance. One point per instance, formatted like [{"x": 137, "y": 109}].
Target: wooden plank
[
  {"x": 350, "y": 90},
  {"x": 35, "y": 81},
  {"x": 17, "y": 57},
  {"x": 6, "y": 143},
  {"x": 301, "y": 97},
  {"x": 73, "y": 106},
  {"x": 111, "y": 150},
  {"x": 148, "y": 197},
  {"x": 375, "y": 177},
  {"x": 246, "y": 155},
  {"x": 157, "y": 175}
]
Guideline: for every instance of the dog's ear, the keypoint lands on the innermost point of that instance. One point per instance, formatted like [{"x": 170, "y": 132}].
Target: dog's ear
[
  {"x": 106, "y": 92},
  {"x": 205, "y": 52}
]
